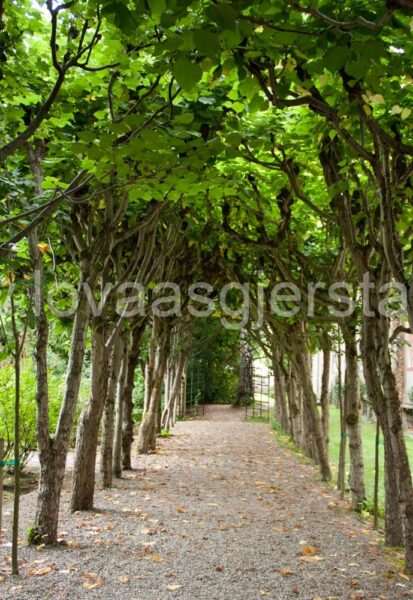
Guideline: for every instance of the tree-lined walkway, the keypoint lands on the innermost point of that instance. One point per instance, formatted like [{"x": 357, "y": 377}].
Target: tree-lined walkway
[{"x": 221, "y": 511}]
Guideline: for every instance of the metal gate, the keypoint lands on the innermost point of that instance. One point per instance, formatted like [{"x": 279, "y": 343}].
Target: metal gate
[{"x": 260, "y": 407}]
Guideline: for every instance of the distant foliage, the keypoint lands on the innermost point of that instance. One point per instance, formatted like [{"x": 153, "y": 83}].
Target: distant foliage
[
  {"x": 138, "y": 395},
  {"x": 214, "y": 366}
]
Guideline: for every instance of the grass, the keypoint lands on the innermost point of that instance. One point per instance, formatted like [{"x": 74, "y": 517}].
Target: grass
[{"x": 368, "y": 431}]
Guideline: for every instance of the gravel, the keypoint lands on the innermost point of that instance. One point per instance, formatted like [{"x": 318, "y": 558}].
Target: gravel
[{"x": 220, "y": 512}]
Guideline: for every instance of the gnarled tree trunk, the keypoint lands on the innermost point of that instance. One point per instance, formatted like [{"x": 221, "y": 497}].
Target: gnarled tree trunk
[
  {"x": 128, "y": 424},
  {"x": 352, "y": 410},
  {"x": 310, "y": 406},
  {"x": 393, "y": 519},
  {"x": 245, "y": 391},
  {"x": 295, "y": 411},
  {"x": 108, "y": 425},
  {"x": 117, "y": 445},
  {"x": 281, "y": 401},
  {"x": 158, "y": 356},
  {"x": 53, "y": 452},
  {"x": 83, "y": 479},
  {"x": 325, "y": 393},
  {"x": 168, "y": 414}
]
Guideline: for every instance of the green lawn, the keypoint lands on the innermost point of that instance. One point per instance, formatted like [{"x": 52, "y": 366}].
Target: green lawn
[{"x": 368, "y": 434}]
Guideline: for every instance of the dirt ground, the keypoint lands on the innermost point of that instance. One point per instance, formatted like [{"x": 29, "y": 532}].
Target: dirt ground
[{"x": 220, "y": 512}]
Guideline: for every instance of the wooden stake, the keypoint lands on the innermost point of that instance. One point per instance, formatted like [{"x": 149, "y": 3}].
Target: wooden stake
[
  {"x": 376, "y": 477},
  {"x": 1, "y": 484}
]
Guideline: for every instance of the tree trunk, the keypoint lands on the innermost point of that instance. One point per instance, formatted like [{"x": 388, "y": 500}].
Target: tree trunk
[
  {"x": 158, "y": 414},
  {"x": 398, "y": 443},
  {"x": 117, "y": 447},
  {"x": 128, "y": 424},
  {"x": 157, "y": 361},
  {"x": 393, "y": 521},
  {"x": 310, "y": 402},
  {"x": 83, "y": 480},
  {"x": 352, "y": 406},
  {"x": 170, "y": 408},
  {"x": 108, "y": 426},
  {"x": 393, "y": 527},
  {"x": 281, "y": 400},
  {"x": 325, "y": 393},
  {"x": 245, "y": 391},
  {"x": 148, "y": 429},
  {"x": 53, "y": 452},
  {"x": 181, "y": 408},
  {"x": 307, "y": 445},
  {"x": 47, "y": 511},
  {"x": 294, "y": 409}
]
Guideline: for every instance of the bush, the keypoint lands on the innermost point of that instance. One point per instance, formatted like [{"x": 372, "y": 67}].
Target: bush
[
  {"x": 138, "y": 396},
  {"x": 28, "y": 415}
]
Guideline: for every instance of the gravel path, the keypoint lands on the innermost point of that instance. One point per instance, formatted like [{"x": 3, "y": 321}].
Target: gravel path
[{"x": 220, "y": 512}]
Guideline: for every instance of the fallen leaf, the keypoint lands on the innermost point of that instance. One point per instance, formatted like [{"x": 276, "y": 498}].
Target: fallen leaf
[
  {"x": 312, "y": 558},
  {"x": 43, "y": 571},
  {"x": 286, "y": 571},
  {"x": 309, "y": 550},
  {"x": 157, "y": 558},
  {"x": 90, "y": 585}
]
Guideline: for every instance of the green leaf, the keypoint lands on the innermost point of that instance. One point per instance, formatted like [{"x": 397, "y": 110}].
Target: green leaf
[
  {"x": 206, "y": 42},
  {"x": 234, "y": 138},
  {"x": 284, "y": 37},
  {"x": 86, "y": 136},
  {"x": 224, "y": 15},
  {"x": 184, "y": 119},
  {"x": 258, "y": 103},
  {"x": 122, "y": 16},
  {"x": 357, "y": 68},
  {"x": 336, "y": 58},
  {"x": 187, "y": 73},
  {"x": 156, "y": 7}
]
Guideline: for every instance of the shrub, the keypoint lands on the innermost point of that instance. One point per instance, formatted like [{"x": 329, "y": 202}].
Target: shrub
[{"x": 28, "y": 414}]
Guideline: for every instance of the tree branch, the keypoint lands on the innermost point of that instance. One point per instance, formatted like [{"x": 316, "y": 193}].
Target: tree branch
[
  {"x": 399, "y": 329},
  {"x": 357, "y": 22}
]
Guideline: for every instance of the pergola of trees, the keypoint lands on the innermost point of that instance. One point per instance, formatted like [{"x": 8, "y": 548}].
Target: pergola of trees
[{"x": 177, "y": 141}]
